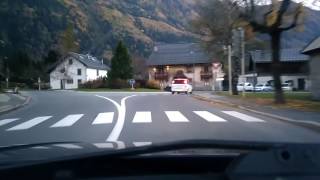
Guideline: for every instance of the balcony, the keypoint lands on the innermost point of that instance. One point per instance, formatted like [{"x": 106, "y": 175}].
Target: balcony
[
  {"x": 161, "y": 76},
  {"x": 205, "y": 75}
]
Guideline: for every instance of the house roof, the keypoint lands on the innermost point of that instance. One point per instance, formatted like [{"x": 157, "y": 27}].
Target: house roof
[
  {"x": 313, "y": 46},
  {"x": 89, "y": 61},
  {"x": 286, "y": 55},
  {"x": 169, "y": 54}
]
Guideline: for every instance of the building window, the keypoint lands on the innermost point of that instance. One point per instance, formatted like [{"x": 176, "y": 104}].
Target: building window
[
  {"x": 79, "y": 72},
  {"x": 70, "y": 61},
  {"x": 69, "y": 81},
  {"x": 79, "y": 81},
  {"x": 97, "y": 72},
  {"x": 189, "y": 69}
]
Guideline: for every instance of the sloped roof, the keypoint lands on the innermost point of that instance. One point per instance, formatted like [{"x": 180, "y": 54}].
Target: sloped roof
[
  {"x": 89, "y": 61},
  {"x": 314, "y": 45},
  {"x": 286, "y": 55},
  {"x": 170, "y": 54}
]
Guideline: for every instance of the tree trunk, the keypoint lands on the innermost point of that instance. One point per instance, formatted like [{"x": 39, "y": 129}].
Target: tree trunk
[
  {"x": 234, "y": 85},
  {"x": 276, "y": 67}
]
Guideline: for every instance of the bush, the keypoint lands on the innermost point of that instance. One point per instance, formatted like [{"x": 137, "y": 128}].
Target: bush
[
  {"x": 98, "y": 83},
  {"x": 152, "y": 84},
  {"x": 118, "y": 83},
  {"x": 140, "y": 84},
  {"x": 43, "y": 86}
]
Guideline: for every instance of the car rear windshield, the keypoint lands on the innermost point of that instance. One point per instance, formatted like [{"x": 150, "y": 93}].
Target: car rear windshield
[
  {"x": 179, "y": 81},
  {"x": 259, "y": 85}
]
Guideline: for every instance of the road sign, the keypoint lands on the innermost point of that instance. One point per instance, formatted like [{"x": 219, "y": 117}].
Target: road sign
[{"x": 132, "y": 82}]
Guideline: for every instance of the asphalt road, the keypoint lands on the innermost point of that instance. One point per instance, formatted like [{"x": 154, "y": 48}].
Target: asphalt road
[{"x": 138, "y": 119}]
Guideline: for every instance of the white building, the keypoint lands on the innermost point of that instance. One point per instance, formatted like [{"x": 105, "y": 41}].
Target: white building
[
  {"x": 76, "y": 69},
  {"x": 294, "y": 68}
]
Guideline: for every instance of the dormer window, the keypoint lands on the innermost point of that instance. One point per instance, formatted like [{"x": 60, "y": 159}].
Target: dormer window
[{"x": 70, "y": 61}]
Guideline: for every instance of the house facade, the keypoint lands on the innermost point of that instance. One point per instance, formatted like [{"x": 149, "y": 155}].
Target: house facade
[
  {"x": 313, "y": 50},
  {"x": 168, "y": 61},
  {"x": 294, "y": 68},
  {"x": 76, "y": 69}
]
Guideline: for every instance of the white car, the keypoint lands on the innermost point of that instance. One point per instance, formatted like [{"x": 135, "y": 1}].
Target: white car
[
  {"x": 287, "y": 87},
  {"x": 263, "y": 87},
  {"x": 181, "y": 85},
  {"x": 246, "y": 86}
]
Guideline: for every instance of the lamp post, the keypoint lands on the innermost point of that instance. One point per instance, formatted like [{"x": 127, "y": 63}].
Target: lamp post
[{"x": 230, "y": 69}]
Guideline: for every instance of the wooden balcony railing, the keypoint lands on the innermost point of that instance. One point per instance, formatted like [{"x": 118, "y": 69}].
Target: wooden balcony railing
[
  {"x": 205, "y": 75},
  {"x": 161, "y": 76}
]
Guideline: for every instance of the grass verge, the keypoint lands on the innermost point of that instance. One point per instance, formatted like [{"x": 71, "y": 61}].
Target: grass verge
[{"x": 295, "y": 100}]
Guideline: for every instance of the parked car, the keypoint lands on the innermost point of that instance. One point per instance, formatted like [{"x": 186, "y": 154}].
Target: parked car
[
  {"x": 263, "y": 87},
  {"x": 246, "y": 86},
  {"x": 287, "y": 87},
  {"x": 181, "y": 85}
]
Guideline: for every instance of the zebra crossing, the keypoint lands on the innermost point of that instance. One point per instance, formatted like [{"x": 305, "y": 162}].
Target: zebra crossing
[{"x": 140, "y": 117}]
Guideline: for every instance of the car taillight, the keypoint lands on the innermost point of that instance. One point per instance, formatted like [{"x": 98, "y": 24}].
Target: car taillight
[
  {"x": 172, "y": 82},
  {"x": 185, "y": 81}
]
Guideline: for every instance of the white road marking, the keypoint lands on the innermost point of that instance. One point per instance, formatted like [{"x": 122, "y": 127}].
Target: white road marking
[
  {"x": 243, "y": 117},
  {"x": 68, "y": 120},
  {"x": 138, "y": 144},
  {"x": 103, "y": 145},
  {"x": 142, "y": 117},
  {"x": 7, "y": 121},
  {"x": 68, "y": 146},
  {"x": 176, "y": 116},
  {"x": 115, "y": 133},
  {"x": 209, "y": 116},
  {"x": 104, "y": 118},
  {"x": 30, "y": 123}
]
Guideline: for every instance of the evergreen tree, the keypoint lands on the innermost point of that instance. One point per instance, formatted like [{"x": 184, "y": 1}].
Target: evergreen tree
[{"x": 121, "y": 63}]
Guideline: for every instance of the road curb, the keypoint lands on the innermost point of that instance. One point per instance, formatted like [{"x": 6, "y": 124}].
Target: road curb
[
  {"x": 26, "y": 101},
  {"x": 303, "y": 123}
]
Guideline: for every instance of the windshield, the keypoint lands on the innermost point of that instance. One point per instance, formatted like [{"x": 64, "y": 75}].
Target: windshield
[{"x": 117, "y": 74}]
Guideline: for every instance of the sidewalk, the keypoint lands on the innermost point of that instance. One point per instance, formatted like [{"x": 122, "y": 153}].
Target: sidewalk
[
  {"x": 286, "y": 114},
  {"x": 10, "y": 101}
]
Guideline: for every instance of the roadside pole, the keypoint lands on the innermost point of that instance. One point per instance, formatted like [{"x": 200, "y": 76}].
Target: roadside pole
[
  {"x": 243, "y": 61},
  {"x": 39, "y": 84},
  {"x": 230, "y": 69}
]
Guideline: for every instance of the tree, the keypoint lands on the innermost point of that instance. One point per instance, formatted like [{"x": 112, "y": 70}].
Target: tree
[
  {"x": 280, "y": 17},
  {"x": 121, "y": 64},
  {"x": 68, "y": 42},
  {"x": 215, "y": 22},
  {"x": 140, "y": 68}
]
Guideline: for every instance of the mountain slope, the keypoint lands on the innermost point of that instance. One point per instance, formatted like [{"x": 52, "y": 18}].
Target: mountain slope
[{"x": 35, "y": 26}]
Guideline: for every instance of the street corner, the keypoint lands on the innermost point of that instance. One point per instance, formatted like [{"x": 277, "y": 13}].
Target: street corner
[{"x": 10, "y": 101}]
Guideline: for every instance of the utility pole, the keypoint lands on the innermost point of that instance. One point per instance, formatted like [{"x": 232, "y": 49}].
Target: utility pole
[{"x": 230, "y": 69}]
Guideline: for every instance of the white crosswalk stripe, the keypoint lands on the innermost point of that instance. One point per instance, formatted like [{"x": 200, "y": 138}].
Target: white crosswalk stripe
[
  {"x": 7, "y": 121},
  {"x": 209, "y": 116},
  {"x": 30, "y": 123},
  {"x": 176, "y": 116},
  {"x": 142, "y": 117},
  {"x": 104, "y": 118},
  {"x": 68, "y": 120},
  {"x": 243, "y": 117}
]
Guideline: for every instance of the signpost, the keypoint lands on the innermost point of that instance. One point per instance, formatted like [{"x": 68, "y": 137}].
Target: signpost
[{"x": 132, "y": 83}]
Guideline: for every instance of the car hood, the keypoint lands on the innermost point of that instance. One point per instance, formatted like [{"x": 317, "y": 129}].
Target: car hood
[{"x": 27, "y": 153}]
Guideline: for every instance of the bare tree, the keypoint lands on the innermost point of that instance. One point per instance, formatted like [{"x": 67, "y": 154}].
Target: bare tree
[
  {"x": 215, "y": 22},
  {"x": 281, "y": 16}
]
